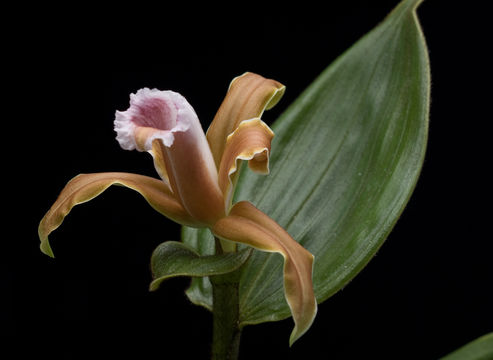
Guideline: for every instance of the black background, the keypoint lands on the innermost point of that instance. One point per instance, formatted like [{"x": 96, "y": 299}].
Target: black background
[{"x": 426, "y": 292}]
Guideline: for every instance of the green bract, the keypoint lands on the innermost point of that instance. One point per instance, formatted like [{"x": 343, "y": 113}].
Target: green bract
[
  {"x": 172, "y": 258},
  {"x": 345, "y": 160}
]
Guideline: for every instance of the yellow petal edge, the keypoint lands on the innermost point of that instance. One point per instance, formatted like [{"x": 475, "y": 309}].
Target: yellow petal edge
[
  {"x": 248, "y": 96},
  {"x": 251, "y": 142}
]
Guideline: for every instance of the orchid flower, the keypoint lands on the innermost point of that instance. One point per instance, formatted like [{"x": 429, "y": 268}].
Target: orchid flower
[{"x": 198, "y": 174}]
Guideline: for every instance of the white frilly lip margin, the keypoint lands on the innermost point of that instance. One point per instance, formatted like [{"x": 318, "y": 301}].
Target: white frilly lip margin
[{"x": 125, "y": 126}]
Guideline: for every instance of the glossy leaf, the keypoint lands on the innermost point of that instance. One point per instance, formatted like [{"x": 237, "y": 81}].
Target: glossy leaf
[
  {"x": 172, "y": 258},
  {"x": 479, "y": 349},
  {"x": 345, "y": 160}
]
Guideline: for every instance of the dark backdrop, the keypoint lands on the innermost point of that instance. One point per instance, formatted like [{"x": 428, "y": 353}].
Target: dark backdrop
[{"x": 427, "y": 291}]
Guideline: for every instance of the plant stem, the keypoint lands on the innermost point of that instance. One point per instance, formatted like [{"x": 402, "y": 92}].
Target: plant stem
[{"x": 226, "y": 332}]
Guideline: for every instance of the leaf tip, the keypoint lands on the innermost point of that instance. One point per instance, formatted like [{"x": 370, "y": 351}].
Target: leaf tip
[
  {"x": 154, "y": 285},
  {"x": 411, "y": 5}
]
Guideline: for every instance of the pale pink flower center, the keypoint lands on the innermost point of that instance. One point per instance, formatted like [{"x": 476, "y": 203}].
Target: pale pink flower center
[{"x": 154, "y": 112}]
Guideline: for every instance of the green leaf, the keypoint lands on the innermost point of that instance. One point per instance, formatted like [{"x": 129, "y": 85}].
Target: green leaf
[
  {"x": 479, "y": 349},
  {"x": 345, "y": 159},
  {"x": 173, "y": 258}
]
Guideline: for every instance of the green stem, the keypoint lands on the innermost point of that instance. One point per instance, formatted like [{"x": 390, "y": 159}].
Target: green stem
[{"x": 226, "y": 332}]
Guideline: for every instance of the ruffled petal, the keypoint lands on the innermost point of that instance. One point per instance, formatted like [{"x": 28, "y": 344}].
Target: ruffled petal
[
  {"x": 247, "y": 98},
  {"x": 247, "y": 225},
  {"x": 251, "y": 142},
  {"x": 85, "y": 187},
  {"x": 152, "y": 114}
]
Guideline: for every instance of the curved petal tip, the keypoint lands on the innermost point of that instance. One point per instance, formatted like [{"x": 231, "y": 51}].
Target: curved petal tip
[
  {"x": 85, "y": 187},
  {"x": 248, "y": 225},
  {"x": 45, "y": 244}
]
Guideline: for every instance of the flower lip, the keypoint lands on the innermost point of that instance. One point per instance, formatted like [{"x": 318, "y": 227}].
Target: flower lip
[{"x": 152, "y": 114}]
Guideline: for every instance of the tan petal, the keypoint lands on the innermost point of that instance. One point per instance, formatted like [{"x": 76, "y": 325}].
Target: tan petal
[
  {"x": 248, "y": 225},
  {"x": 85, "y": 187},
  {"x": 247, "y": 98},
  {"x": 193, "y": 175},
  {"x": 250, "y": 141},
  {"x": 159, "y": 161}
]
